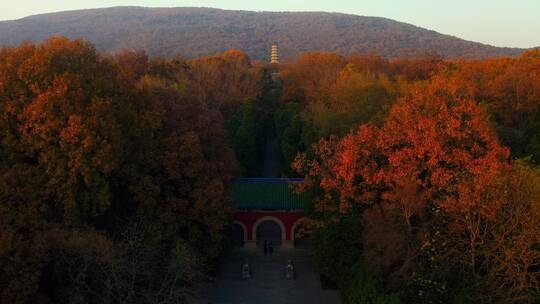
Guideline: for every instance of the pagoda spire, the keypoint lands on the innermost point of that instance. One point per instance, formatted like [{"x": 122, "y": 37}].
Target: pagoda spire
[{"x": 274, "y": 58}]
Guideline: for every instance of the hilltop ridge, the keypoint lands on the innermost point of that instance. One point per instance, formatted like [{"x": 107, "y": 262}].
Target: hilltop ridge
[{"x": 194, "y": 32}]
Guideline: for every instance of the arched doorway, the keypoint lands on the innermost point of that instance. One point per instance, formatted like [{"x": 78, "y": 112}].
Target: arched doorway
[
  {"x": 238, "y": 234},
  {"x": 269, "y": 229}
]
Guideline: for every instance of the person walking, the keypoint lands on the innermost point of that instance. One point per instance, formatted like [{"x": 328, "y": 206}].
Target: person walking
[{"x": 265, "y": 247}]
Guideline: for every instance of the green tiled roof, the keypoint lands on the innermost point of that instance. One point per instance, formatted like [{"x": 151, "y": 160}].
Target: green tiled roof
[{"x": 266, "y": 194}]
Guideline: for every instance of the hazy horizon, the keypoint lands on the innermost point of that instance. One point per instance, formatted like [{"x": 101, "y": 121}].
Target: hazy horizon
[{"x": 497, "y": 24}]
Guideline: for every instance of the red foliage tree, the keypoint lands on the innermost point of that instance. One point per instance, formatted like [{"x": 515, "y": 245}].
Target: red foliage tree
[{"x": 434, "y": 149}]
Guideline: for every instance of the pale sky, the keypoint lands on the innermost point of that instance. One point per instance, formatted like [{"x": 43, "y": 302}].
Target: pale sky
[{"x": 513, "y": 23}]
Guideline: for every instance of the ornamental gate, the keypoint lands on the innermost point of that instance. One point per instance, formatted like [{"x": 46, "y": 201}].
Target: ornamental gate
[{"x": 267, "y": 210}]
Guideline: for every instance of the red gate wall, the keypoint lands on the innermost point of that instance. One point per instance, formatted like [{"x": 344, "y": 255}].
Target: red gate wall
[{"x": 250, "y": 218}]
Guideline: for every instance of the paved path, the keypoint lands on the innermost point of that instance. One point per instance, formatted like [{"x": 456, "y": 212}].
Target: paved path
[
  {"x": 268, "y": 284},
  {"x": 272, "y": 154}
]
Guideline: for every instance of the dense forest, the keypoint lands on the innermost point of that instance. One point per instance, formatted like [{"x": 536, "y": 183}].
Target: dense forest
[
  {"x": 194, "y": 32},
  {"x": 115, "y": 171},
  {"x": 422, "y": 175}
]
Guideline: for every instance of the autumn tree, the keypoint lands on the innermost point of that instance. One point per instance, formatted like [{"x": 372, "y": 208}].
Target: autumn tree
[
  {"x": 61, "y": 135},
  {"x": 311, "y": 76},
  {"x": 99, "y": 142},
  {"x": 509, "y": 87},
  {"x": 225, "y": 81},
  {"x": 511, "y": 253},
  {"x": 332, "y": 95},
  {"x": 181, "y": 174},
  {"x": 419, "y": 68},
  {"x": 435, "y": 149}
]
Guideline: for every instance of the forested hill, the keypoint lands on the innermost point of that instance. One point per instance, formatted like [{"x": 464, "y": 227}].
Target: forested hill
[{"x": 193, "y": 32}]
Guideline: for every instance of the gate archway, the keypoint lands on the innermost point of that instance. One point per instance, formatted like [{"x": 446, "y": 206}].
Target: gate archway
[{"x": 269, "y": 229}]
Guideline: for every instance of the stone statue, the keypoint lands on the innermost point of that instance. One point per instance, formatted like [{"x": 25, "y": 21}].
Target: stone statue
[
  {"x": 246, "y": 272},
  {"x": 289, "y": 270}
]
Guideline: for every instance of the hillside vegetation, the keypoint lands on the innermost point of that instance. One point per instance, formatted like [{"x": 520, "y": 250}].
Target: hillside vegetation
[{"x": 193, "y": 32}]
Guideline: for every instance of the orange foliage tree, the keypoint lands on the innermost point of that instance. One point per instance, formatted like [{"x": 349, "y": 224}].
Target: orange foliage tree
[
  {"x": 510, "y": 89},
  {"x": 511, "y": 255},
  {"x": 94, "y": 141},
  {"x": 311, "y": 76},
  {"x": 435, "y": 149},
  {"x": 225, "y": 81}
]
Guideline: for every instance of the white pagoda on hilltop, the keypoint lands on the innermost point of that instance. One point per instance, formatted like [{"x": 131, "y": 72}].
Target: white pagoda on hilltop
[{"x": 274, "y": 57}]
